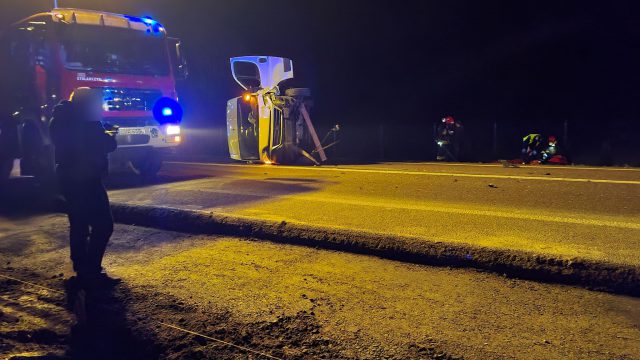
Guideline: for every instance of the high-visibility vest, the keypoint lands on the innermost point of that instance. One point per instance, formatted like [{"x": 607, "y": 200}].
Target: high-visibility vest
[{"x": 529, "y": 139}]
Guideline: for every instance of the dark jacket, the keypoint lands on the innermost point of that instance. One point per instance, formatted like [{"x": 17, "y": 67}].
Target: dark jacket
[{"x": 81, "y": 146}]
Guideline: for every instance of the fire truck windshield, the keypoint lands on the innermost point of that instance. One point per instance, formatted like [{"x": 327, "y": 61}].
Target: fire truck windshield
[{"x": 113, "y": 50}]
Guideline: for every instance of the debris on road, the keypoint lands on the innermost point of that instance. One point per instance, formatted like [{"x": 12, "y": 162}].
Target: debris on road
[{"x": 509, "y": 164}]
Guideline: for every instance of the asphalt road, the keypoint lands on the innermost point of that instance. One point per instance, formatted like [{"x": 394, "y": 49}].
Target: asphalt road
[
  {"x": 293, "y": 302},
  {"x": 584, "y": 212}
]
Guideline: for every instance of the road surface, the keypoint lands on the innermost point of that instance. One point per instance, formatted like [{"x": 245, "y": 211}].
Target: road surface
[
  {"x": 591, "y": 213},
  {"x": 292, "y": 302}
]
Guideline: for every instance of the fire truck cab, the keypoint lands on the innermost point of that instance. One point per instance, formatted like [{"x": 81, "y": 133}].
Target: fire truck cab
[{"x": 45, "y": 57}]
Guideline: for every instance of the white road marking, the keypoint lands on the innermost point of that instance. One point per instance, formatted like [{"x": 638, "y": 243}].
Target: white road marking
[
  {"x": 421, "y": 173},
  {"x": 533, "y": 167}
]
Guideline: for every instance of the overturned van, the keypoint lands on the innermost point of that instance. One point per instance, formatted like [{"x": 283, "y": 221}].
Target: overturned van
[{"x": 266, "y": 124}]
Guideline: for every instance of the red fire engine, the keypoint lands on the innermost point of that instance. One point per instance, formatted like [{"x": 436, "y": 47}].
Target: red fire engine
[{"x": 45, "y": 57}]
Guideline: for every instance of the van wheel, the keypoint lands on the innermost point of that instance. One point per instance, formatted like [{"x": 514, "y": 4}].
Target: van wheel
[{"x": 149, "y": 165}]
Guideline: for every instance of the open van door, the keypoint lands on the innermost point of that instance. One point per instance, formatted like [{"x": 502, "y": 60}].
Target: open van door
[{"x": 261, "y": 72}]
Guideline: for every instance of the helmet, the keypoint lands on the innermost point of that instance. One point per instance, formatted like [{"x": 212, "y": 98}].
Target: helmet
[
  {"x": 552, "y": 139},
  {"x": 448, "y": 120}
]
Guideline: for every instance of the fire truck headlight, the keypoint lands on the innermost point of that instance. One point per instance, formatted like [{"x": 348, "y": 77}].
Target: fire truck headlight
[{"x": 173, "y": 130}]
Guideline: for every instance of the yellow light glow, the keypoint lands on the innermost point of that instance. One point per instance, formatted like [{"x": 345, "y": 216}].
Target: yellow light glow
[
  {"x": 247, "y": 97},
  {"x": 177, "y": 139}
]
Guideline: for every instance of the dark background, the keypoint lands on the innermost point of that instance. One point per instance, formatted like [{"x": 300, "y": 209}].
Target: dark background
[{"x": 388, "y": 71}]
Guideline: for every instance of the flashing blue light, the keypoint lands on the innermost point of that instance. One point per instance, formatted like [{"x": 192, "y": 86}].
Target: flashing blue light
[
  {"x": 167, "y": 111},
  {"x": 147, "y": 20}
]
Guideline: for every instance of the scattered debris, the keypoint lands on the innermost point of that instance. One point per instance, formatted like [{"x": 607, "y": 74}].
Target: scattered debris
[
  {"x": 508, "y": 164},
  {"x": 493, "y": 186}
]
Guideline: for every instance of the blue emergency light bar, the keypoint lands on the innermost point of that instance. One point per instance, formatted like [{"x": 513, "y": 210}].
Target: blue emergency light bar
[
  {"x": 167, "y": 111},
  {"x": 147, "y": 20}
]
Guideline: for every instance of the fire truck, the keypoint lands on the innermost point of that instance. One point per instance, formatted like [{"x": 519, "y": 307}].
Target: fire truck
[{"x": 45, "y": 57}]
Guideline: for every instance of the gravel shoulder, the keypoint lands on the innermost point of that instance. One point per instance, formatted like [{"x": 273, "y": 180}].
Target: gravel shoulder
[{"x": 296, "y": 302}]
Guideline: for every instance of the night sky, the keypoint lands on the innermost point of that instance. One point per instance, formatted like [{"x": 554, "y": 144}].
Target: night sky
[{"x": 390, "y": 70}]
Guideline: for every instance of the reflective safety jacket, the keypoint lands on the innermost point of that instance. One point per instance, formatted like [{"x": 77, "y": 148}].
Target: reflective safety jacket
[{"x": 532, "y": 139}]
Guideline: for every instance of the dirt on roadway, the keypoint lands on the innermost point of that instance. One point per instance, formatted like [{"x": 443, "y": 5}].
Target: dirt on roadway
[{"x": 290, "y": 302}]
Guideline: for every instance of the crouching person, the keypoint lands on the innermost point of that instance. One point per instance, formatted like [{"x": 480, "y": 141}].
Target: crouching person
[{"x": 82, "y": 146}]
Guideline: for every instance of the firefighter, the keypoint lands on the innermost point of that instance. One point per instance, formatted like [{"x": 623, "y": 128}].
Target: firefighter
[
  {"x": 531, "y": 147},
  {"x": 554, "y": 154},
  {"x": 551, "y": 150},
  {"x": 82, "y": 145},
  {"x": 449, "y": 139}
]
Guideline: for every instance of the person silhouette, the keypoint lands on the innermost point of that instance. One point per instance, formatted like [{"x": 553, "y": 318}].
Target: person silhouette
[{"x": 82, "y": 146}]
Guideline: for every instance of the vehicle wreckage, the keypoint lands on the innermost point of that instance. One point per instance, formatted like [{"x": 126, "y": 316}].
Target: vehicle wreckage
[{"x": 268, "y": 125}]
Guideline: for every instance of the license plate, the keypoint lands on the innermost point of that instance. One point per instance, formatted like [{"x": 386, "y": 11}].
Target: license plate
[{"x": 131, "y": 131}]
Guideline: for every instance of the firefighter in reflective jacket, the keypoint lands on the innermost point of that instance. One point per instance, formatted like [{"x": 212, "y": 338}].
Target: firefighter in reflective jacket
[
  {"x": 82, "y": 145},
  {"x": 449, "y": 139},
  {"x": 531, "y": 147},
  {"x": 551, "y": 150}
]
